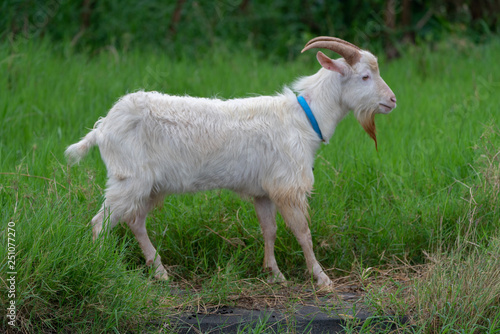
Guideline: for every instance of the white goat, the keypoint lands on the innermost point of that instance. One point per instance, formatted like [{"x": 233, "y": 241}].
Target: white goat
[{"x": 155, "y": 144}]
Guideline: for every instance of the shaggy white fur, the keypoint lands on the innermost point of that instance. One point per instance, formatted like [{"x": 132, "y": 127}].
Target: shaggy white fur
[{"x": 155, "y": 144}]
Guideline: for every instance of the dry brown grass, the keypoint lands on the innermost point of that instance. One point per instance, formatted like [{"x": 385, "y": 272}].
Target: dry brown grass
[
  {"x": 462, "y": 288},
  {"x": 488, "y": 165}
]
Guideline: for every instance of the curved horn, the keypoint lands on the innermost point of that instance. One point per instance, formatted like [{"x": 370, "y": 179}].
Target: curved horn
[
  {"x": 349, "y": 51},
  {"x": 332, "y": 39}
]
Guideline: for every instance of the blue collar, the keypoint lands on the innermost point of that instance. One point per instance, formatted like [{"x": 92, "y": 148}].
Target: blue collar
[{"x": 310, "y": 115}]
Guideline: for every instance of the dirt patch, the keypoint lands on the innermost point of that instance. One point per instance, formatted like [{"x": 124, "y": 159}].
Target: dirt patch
[
  {"x": 275, "y": 308},
  {"x": 287, "y": 308},
  {"x": 317, "y": 315}
]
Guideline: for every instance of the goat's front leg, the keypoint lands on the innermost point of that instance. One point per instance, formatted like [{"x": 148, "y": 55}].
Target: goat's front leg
[
  {"x": 138, "y": 227},
  {"x": 266, "y": 213},
  {"x": 296, "y": 219}
]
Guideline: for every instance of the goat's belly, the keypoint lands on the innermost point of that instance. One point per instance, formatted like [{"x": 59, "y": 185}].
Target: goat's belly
[{"x": 242, "y": 180}]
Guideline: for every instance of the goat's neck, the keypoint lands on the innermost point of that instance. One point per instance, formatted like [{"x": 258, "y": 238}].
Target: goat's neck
[{"x": 322, "y": 92}]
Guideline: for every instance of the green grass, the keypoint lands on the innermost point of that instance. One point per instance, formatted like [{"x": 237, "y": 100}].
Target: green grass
[{"x": 431, "y": 188}]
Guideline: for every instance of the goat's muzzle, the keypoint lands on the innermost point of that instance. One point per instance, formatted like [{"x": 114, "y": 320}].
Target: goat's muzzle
[
  {"x": 385, "y": 108},
  {"x": 388, "y": 104}
]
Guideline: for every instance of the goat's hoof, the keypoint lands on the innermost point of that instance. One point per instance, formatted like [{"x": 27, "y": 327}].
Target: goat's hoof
[
  {"x": 277, "y": 279},
  {"x": 162, "y": 277},
  {"x": 161, "y": 273},
  {"x": 324, "y": 282},
  {"x": 326, "y": 288},
  {"x": 274, "y": 276},
  {"x": 96, "y": 232}
]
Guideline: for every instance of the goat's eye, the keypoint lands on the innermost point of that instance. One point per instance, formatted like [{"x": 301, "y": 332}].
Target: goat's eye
[{"x": 366, "y": 77}]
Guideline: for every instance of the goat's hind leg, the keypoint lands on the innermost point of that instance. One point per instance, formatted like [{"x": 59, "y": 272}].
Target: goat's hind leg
[
  {"x": 103, "y": 220},
  {"x": 266, "y": 213},
  {"x": 123, "y": 203},
  {"x": 137, "y": 225}
]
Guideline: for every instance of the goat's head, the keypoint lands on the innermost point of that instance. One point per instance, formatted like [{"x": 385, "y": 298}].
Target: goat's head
[{"x": 363, "y": 89}]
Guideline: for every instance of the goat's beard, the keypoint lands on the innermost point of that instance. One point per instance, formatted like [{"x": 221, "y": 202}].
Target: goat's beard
[{"x": 367, "y": 120}]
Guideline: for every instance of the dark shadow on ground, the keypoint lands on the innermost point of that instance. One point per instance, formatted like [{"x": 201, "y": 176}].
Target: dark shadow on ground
[{"x": 327, "y": 314}]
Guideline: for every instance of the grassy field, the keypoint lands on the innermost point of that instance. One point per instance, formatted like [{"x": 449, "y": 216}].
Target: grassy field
[{"x": 427, "y": 203}]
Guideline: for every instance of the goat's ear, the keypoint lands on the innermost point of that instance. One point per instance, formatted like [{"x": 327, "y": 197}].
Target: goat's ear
[{"x": 330, "y": 64}]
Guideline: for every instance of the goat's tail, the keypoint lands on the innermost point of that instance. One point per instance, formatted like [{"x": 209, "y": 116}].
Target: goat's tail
[{"x": 74, "y": 153}]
